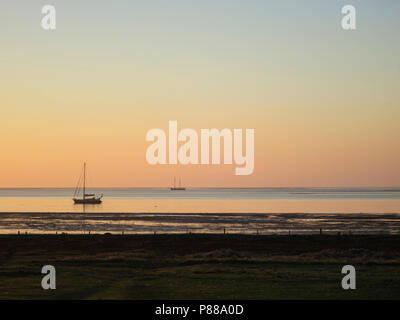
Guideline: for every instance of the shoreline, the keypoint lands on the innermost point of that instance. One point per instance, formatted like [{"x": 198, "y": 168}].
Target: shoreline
[
  {"x": 269, "y": 244},
  {"x": 203, "y": 213},
  {"x": 307, "y": 243}
]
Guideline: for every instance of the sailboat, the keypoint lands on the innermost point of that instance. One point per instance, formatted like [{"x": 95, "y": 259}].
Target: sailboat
[
  {"x": 174, "y": 188},
  {"x": 87, "y": 198}
]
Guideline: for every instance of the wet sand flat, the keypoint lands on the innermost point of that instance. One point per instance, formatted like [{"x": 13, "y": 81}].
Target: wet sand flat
[{"x": 164, "y": 222}]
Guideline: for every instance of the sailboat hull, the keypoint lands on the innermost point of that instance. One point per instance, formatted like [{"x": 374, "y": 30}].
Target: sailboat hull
[
  {"x": 178, "y": 188},
  {"x": 87, "y": 201}
]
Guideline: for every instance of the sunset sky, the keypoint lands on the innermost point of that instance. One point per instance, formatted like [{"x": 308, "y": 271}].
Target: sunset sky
[{"x": 324, "y": 102}]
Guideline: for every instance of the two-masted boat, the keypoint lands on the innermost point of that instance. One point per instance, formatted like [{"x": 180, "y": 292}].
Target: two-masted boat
[
  {"x": 179, "y": 187},
  {"x": 87, "y": 198}
]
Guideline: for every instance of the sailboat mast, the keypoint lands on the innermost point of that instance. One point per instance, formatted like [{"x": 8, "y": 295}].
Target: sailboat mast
[
  {"x": 174, "y": 182},
  {"x": 84, "y": 180}
]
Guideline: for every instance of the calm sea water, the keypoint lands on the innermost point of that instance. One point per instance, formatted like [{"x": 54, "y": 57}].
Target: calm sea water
[{"x": 253, "y": 210}]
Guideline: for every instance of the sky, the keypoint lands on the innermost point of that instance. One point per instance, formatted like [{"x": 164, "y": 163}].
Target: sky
[{"x": 324, "y": 102}]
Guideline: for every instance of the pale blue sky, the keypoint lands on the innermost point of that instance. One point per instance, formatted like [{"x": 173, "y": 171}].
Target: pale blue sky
[{"x": 328, "y": 97}]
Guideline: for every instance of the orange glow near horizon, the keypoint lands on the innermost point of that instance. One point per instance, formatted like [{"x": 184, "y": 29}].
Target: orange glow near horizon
[{"x": 324, "y": 104}]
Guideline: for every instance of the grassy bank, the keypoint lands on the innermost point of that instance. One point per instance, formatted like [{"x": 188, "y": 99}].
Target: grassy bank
[{"x": 199, "y": 266}]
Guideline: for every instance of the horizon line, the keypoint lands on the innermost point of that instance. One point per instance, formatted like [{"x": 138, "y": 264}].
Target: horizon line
[{"x": 210, "y": 187}]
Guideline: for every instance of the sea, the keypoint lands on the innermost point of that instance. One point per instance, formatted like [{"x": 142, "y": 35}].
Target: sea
[{"x": 203, "y": 210}]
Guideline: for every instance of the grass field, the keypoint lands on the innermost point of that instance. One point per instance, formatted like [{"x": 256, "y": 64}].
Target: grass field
[{"x": 199, "y": 266}]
